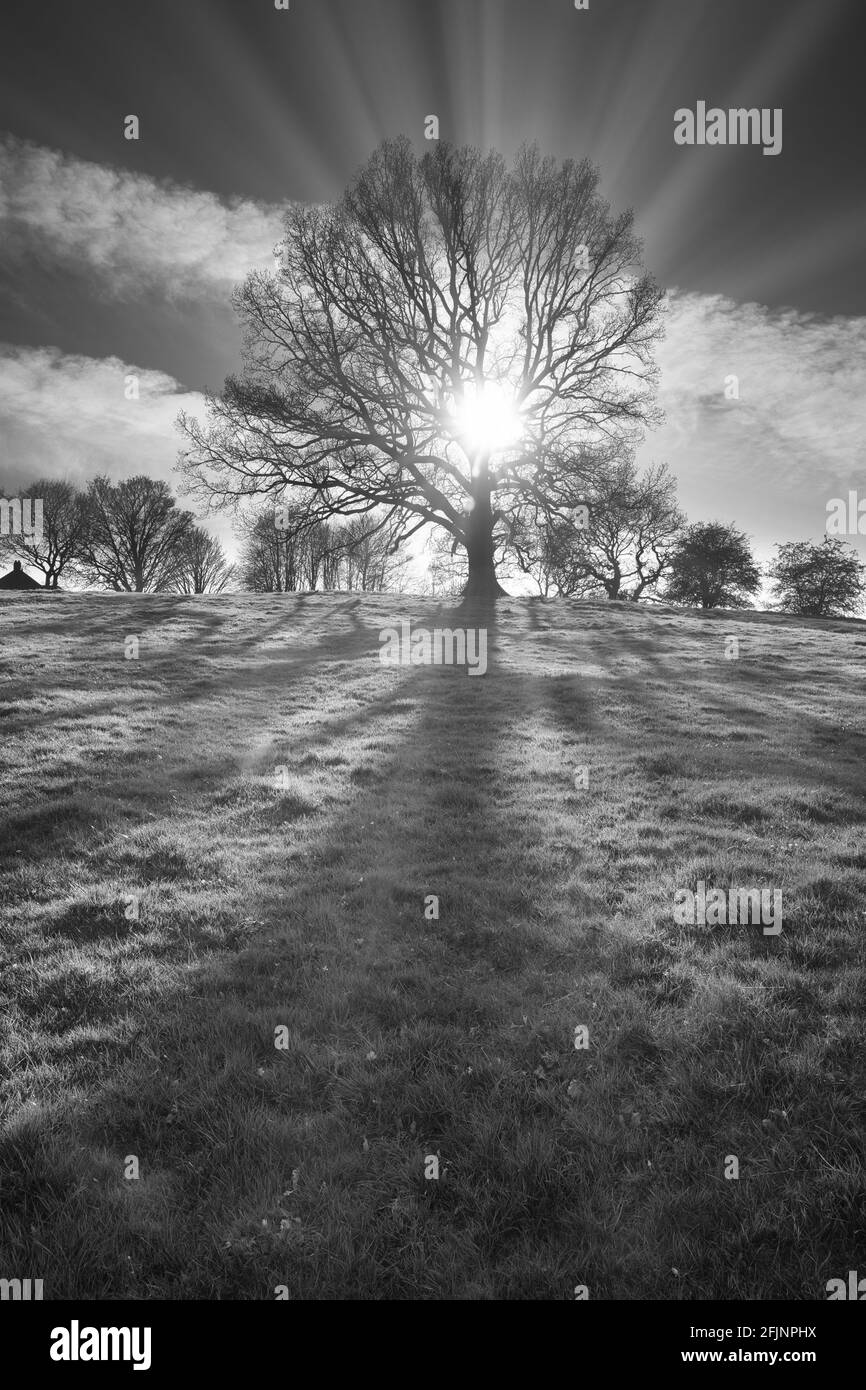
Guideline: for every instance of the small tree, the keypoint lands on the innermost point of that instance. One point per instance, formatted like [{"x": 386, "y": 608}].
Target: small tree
[
  {"x": 818, "y": 581},
  {"x": 330, "y": 560},
  {"x": 446, "y": 566},
  {"x": 621, "y": 544},
  {"x": 203, "y": 567},
  {"x": 286, "y": 549},
  {"x": 64, "y": 525},
  {"x": 369, "y": 553},
  {"x": 290, "y": 548},
  {"x": 712, "y": 567},
  {"x": 270, "y": 562},
  {"x": 134, "y": 535}
]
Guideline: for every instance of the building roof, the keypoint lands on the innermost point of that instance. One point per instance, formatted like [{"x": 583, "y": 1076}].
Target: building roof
[{"x": 17, "y": 578}]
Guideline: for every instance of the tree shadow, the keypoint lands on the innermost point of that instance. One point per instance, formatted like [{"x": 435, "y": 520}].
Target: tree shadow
[
  {"x": 340, "y": 891},
  {"x": 484, "y": 960}
]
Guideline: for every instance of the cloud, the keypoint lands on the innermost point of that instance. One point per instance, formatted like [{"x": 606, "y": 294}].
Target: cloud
[
  {"x": 68, "y": 417},
  {"x": 135, "y": 233},
  {"x": 771, "y": 459}
]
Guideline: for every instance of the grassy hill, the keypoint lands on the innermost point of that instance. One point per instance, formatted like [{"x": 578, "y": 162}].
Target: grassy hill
[{"x": 295, "y": 900}]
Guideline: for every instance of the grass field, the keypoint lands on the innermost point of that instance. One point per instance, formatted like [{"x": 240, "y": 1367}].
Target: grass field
[{"x": 297, "y": 901}]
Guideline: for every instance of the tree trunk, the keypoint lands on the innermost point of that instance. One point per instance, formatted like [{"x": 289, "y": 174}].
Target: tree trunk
[{"x": 482, "y": 582}]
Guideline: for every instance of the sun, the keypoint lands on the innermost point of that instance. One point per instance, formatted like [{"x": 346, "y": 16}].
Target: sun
[{"x": 487, "y": 420}]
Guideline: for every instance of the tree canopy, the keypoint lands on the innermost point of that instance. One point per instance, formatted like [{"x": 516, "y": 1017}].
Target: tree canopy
[
  {"x": 818, "y": 581},
  {"x": 450, "y": 344},
  {"x": 712, "y": 567},
  {"x": 134, "y": 535},
  {"x": 619, "y": 544}
]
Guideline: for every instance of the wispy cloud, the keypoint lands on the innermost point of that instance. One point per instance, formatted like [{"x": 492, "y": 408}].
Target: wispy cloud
[
  {"x": 135, "y": 233},
  {"x": 68, "y": 416},
  {"x": 772, "y": 458}
]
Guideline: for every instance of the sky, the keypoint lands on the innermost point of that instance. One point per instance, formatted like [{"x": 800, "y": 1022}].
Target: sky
[{"x": 118, "y": 257}]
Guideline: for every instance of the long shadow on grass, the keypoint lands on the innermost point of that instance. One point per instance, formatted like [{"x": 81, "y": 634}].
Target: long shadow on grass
[
  {"x": 361, "y": 977},
  {"x": 144, "y": 616},
  {"x": 406, "y": 1035},
  {"x": 802, "y": 760},
  {"x": 103, "y": 796}
]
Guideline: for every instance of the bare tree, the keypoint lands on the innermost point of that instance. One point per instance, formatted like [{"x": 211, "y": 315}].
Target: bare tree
[
  {"x": 286, "y": 549},
  {"x": 134, "y": 535},
  {"x": 449, "y": 342},
  {"x": 319, "y": 545},
  {"x": 203, "y": 567},
  {"x": 331, "y": 560},
  {"x": 64, "y": 523},
  {"x": 621, "y": 544},
  {"x": 446, "y": 566},
  {"x": 370, "y": 561},
  {"x": 269, "y": 561}
]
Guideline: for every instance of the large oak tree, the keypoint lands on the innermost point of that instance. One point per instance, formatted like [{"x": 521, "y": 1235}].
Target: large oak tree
[{"x": 450, "y": 344}]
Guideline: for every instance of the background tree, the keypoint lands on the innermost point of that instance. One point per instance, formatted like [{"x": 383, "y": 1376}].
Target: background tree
[
  {"x": 134, "y": 535},
  {"x": 818, "y": 581},
  {"x": 64, "y": 523},
  {"x": 370, "y": 559},
  {"x": 448, "y": 343},
  {"x": 712, "y": 567},
  {"x": 203, "y": 567},
  {"x": 285, "y": 549},
  {"x": 362, "y": 554},
  {"x": 447, "y": 567},
  {"x": 620, "y": 544},
  {"x": 330, "y": 561},
  {"x": 270, "y": 561},
  {"x": 320, "y": 555}
]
